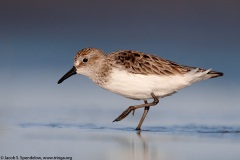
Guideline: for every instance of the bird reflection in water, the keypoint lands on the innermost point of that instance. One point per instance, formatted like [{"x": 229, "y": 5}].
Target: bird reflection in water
[{"x": 141, "y": 148}]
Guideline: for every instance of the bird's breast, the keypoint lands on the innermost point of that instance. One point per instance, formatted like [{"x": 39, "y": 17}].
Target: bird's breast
[{"x": 140, "y": 86}]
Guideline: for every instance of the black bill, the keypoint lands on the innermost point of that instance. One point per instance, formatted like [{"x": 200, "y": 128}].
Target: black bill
[{"x": 68, "y": 74}]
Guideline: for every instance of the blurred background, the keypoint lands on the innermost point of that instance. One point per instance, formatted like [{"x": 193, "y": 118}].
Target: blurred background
[
  {"x": 39, "y": 39},
  {"x": 38, "y": 117}
]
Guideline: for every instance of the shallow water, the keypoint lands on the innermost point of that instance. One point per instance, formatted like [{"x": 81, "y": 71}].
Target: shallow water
[
  {"x": 91, "y": 141},
  {"x": 61, "y": 127}
]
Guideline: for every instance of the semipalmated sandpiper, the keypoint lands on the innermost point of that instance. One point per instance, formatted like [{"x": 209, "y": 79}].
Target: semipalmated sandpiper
[{"x": 136, "y": 75}]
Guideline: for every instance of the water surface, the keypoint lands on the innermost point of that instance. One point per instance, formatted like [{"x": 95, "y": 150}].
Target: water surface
[{"x": 92, "y": 141}]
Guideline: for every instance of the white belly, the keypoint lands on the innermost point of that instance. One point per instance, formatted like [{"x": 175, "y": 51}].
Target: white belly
[{"x": 137, "y": 86}]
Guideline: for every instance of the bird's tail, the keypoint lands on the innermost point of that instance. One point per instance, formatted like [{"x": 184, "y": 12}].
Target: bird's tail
[
  {"x": 197, "y": 74},
  {"x": 214, "y": 74}
]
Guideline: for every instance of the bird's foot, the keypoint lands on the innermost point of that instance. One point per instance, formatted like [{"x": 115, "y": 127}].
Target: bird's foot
[{"x": 125, "y": 113}]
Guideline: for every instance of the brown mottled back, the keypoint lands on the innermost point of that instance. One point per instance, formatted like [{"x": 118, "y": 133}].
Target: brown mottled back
[{"x": 140, "y": 63}]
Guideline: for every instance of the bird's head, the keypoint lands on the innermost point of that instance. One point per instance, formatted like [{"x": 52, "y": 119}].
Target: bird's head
[{"x": 84, "y": 63}]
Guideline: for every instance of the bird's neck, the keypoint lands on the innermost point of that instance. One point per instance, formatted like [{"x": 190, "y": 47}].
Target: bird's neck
[{"x": 100, "y": 71}]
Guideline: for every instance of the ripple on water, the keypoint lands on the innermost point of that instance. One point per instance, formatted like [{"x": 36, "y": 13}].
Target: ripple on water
[{"x": 213, "y": 131}]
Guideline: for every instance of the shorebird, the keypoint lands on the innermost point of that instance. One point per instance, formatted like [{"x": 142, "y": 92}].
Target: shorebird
[{"x": 136, "y": 75}]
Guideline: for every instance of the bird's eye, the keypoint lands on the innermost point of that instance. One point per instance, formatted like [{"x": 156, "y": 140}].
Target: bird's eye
[{"x": 85, "y": 59}]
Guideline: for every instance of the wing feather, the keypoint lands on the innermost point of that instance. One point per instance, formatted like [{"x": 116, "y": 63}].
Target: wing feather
[{"x": 141, "y": 63}]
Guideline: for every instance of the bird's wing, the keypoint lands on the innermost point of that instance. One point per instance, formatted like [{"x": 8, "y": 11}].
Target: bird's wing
[{"x": 141, "y": 63}]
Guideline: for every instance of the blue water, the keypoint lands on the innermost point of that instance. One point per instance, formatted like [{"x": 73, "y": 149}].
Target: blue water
[
  {"x": 93, "y": 141},
  {"x": 212, "y": 131},
  {"x": 80, "y": 127}
]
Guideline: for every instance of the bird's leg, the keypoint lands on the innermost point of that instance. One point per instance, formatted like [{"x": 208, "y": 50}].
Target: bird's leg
[
  {"x": 146, "y": 109},
  {"x": 132, "y": 108}
]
